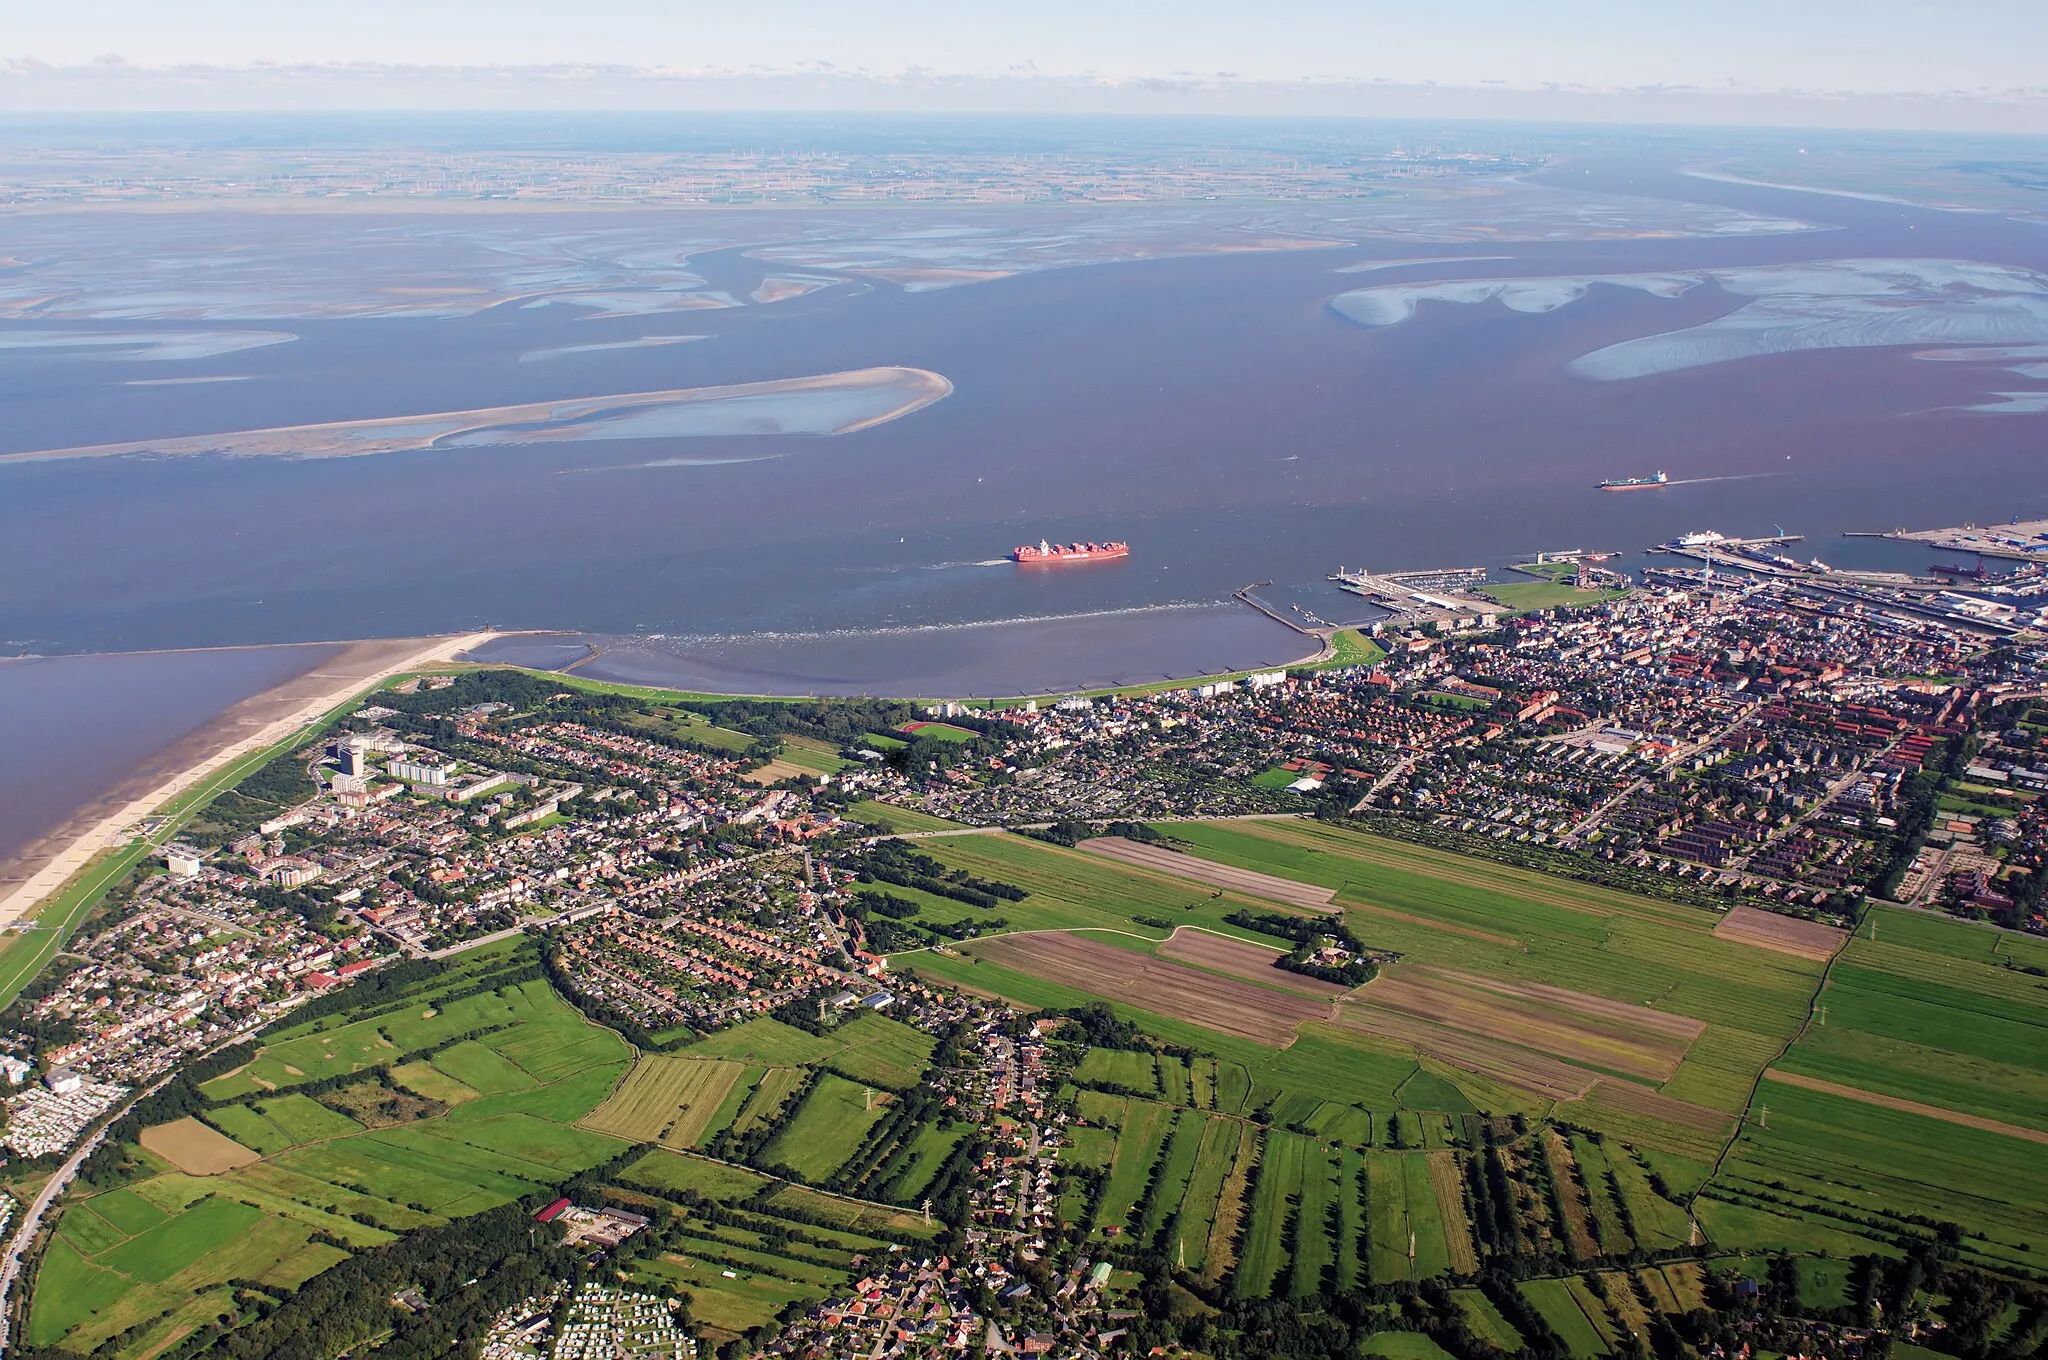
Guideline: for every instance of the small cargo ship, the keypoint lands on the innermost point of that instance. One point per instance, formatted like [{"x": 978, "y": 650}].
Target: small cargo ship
[
  {"x": 1634, "y": 483},
  {"x": 1048, "y": 553}
]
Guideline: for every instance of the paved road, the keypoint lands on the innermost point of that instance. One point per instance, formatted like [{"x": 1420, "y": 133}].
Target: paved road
[
  {"x": 31, "y": 1219},
  {"x": 25, "y": 1229},
  {"x": 997, "y": 830}
]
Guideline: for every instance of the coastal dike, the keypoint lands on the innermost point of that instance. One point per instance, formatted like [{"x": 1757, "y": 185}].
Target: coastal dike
[{"x": 250, "y": 726}]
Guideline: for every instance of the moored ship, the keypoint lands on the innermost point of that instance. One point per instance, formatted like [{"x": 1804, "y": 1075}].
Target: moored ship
[
  {"x": 1046, "y": 552},
  {"x": 1634, "y": 483}
]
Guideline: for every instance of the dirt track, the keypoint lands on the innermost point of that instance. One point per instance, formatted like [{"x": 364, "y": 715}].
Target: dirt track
[
  {"x": 1968, "y": 1121},
  {"x": 1250, "y": 882}
]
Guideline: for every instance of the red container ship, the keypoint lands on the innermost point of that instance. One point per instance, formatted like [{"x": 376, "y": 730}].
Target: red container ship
[{"x": 1047, "y": 553}]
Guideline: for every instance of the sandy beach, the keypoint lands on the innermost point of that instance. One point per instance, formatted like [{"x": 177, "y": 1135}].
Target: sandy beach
[{"x": 261, "y": 721}]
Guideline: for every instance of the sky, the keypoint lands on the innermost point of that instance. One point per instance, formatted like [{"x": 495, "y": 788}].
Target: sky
[{"x": 1988, "y": 54}]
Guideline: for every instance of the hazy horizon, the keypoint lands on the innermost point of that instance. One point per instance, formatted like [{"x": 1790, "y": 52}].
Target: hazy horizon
[{"x": 1893, "y": 64}]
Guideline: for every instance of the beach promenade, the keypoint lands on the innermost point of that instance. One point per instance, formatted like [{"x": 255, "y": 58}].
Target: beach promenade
[{"x": 331, "y": 686}]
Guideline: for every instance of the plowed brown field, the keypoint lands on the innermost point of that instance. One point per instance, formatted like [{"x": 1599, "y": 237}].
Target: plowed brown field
[
  {"x": 1630, "y": 1098},
  {"x": 1251, "y": 882},
  {"x": 1780, "y": 934},
  {"x": 1590, "y": 1030},
  {"x": 195, "y": 1149},
  {"x": 1241, "y": 958},
  {"x": 1258, "y": 1013},
  {"x": 1534, "y": 1072}
]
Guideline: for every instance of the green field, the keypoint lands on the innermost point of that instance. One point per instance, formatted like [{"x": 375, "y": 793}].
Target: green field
[
  {"x": 1425, "y": 1219},
  {"x": 826, "y": 1129},
  {"x": 1349, "y": 647},
  {"x": 1170, "y": 1179},
  {"x": 169, "y": 1243},
  {"x": 1138, "y": 1144},
  {"x": 97, "y": 1280},
  {"x": 1524, "y": 927},
  {"x": 1908, "y": 1016},
  {"x": 928, "y": 1152},
  {"x": 765, "y": 1276},
  {"x": 1485, "y": 1320},
  {"x": 1520, "y": 596},
  {"x": 1610, "y": 1228},
  {"x": 1403, "y": 1346},
  {"x": 304, "y": 1119},
  {"x": 666, "y": 1100},
  {"x": 1325, "y": 1063},
  {"x": 1928, "y": 1012},
  {"x": 1823, "y": 1284},
  {"x": 765, "y": 1041},
  {"x": 1464, "y": 913},
  {"x": 1314, "y": 1267},
  {"x": 1933, "y": 1011},
  {"x": 1072, "y": 889},
  {"x": 765, "y": 1102},
  {"x": 870, "y": 1047},
  {"x": 810, "y": 753},
  {"x": 937, "y": 731},
  {"x": 1198, "y": 1205},
  {"x": 1387, "y": 1188},
  {"x": 693, "y": 727},
  {"x": 887, "y": 817},
  {"x": 1263, "y": 1255},
  {"x": 423, "y": 1078},
  {"x": 882, "y": 1051},
  {"x": 1118, "y": 1067},
  {"x": 663, "y": 1170},
  {"x": 1555, "y": 1303},
  {"x": 554, "y": 1039}
]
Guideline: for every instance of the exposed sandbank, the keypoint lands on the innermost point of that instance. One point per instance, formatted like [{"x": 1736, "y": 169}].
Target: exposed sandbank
[{"x": 824, "y": 404}]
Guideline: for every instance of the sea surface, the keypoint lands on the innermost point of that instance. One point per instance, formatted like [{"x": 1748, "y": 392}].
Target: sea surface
[
  {"x": 78, "y": 726},
  {"x": 1215, "y": 410},
  {"x": 1247, "y": 397}
]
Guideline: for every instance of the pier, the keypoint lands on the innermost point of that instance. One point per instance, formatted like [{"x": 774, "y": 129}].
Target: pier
[
  {"x": 1420, "y": 596},
  {"x": 1255, "y": 602},
  {"x": 2019, "y": 541},
  {"x": 1741, "y": 554}
]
